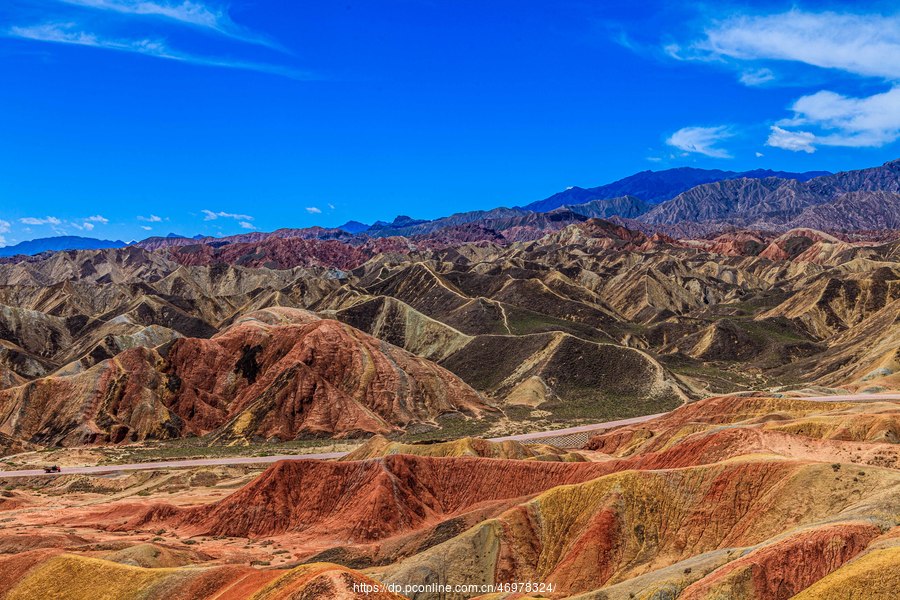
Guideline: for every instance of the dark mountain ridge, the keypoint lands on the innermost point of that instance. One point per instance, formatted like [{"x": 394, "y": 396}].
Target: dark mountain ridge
[
  {"x": 54, "y": 244},
  {"x": 778, "y": 203},
  {"x": 354, "y": 227},
  {"x": 714, "y": 198},
  {"x": 658, "y": 186}
]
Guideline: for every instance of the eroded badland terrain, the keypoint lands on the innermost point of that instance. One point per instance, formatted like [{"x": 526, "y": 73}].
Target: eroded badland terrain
[{"x": 758, "y": 316}]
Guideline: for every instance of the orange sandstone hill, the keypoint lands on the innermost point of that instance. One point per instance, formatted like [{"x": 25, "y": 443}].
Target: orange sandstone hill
[
  {"x": 277, "y": 373},
  {"x": 53, "y": 574}
]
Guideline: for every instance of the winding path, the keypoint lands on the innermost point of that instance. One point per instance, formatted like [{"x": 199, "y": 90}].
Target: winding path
[{"x": 255, "y": 460}]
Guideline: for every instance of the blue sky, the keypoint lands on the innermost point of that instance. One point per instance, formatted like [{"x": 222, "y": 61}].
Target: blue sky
[{"x": 130, "y": 118}]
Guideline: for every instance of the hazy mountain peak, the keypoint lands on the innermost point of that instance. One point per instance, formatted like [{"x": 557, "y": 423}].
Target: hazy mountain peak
[
  {"x": 354, "y": 227},
  {"x": 57, "y": 243}
]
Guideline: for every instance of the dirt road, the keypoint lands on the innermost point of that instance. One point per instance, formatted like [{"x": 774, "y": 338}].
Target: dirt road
[{"x": 252, "y": 460}]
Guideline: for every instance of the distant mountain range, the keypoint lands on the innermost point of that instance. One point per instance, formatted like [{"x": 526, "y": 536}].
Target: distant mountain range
[
  {"x": 627, "y": 198},
  {"x": 697, "y": 202},
  {"x": 63, "y": 242},
  {"x": 851, "y": 200},
  {"x": 682, "y": 202},
  {"x": 657, "y": 186}
]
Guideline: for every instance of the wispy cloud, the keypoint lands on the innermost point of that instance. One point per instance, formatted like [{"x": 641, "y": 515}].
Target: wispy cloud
[
  {"x": 5, "y": 227},
  {"x": 247, "y": 225},
  {"x": 862, "y": 44},
  {"x": 314, "y": 210},
  {"x": 146, "y": 228},
  {"x": 97, "y": 219},
  {"x": 150, "y": 219},
  {"x": 701, "y": 140},
  {"x": 210, "y": 215},
  {"x": 195, "y": 14},
  {"x": 756, "y": 77},
  {"x": 40, "y": 221},
  {"x": 71, "y": 33},
  {"x": 191, "y": 13}
]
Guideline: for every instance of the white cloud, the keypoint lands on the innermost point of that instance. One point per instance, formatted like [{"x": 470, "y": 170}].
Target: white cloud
[
  {"x": 247, "y": 225},
  {"x": 37, "y": 221},
  {"x": 313, "y": 210},
  {"x": 186, "y": 12},
  {"x": 146, "y": 228},
  {"x": 212, "y": 216},
  {"x": 830, "y": 119},
  {"x": 2, "y": 241},
  {"x": 862, "y": 44},
  {"x": 796, "y": 141},
  {"x": 865, "y": 45},
  {"x": 759, "y": 155},
  {"x": 69, "y": 33},
  {"x": 701, "y": 140},
  {"x": 150, "y": 219},
  {"x": 757, "y": 77},
  {"x": 87, "y": 223},
  {"x": 331, "y": 206},
  {"x": 5, "y": 226}
]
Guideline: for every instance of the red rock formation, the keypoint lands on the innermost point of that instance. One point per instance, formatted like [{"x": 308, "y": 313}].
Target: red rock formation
[
  {"x": 797, "y": 242},
  {"x": 283, "y": 372},
  {"x": 273, "y": 252},
  {"x": 784, "y": 568},
  {"x": 360, "y": 501},
  {"x": 276, "y": 373},
  {"x": 110, "y": 402}
]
